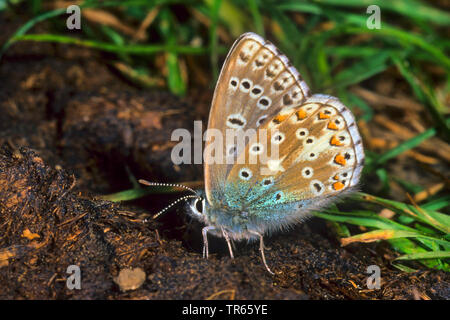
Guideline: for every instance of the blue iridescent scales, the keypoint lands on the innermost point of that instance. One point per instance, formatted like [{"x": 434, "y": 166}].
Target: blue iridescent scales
[{"x": 320, "y": 153}]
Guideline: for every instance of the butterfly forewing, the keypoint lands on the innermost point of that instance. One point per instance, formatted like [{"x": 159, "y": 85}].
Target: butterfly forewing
[{"x": 255, "y": 83}]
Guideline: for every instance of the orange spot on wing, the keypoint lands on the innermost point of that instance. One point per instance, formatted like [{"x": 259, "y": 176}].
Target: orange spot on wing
[
  {"x": 332, "y": 125},
  {"x": 301, "y": 114},
  {"x": 335, "y": 141},
  {"x": 336, "y": 177},
  {"x": 340, "y": 159},
  {"x": 323, "y": 116},
  {"x": 279, "y": 118},
  {"x": 338, "y": 185}
]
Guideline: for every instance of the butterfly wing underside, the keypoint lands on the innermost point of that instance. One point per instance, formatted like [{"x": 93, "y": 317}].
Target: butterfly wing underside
[
  {"x": 255, "y": 83},
  {"x": 320, "y": 157}
]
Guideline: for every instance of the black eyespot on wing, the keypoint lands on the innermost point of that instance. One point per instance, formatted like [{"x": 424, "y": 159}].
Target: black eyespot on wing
[
  {"x": 269, "y": 73},
  {"x": 256, "y": 91},
  {"x": 258, "y": 63},
  {"x": 277, "y": 86},
  {"x": 237, "y": 121},
  {"x": 243, "y": 57},
  {"x": 276, "y": 121},
  {"x": 246, "y": 84},
  {"x": 261, "y": 120},
  {"x": 318, "y": 187},
  {"x": 287, "y": 100},
  {"x": 264, "y": 102}
]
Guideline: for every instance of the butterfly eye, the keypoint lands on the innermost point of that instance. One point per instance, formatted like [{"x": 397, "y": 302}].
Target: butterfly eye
[{"x": 198, "y": 206}]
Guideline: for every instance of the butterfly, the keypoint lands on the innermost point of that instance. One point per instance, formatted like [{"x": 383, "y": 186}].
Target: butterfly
[{"x": 320, "y": 153}]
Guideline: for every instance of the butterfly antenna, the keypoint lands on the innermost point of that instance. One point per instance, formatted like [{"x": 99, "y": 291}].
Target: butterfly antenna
[
  {"x": 157, "y": 184},
  {"x": 174, "y": 203}
]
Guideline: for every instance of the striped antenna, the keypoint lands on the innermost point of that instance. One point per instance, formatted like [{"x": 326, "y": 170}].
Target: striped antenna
[
  {"x": 174, "y": 203},
  {"x": 157, "y": 184}
]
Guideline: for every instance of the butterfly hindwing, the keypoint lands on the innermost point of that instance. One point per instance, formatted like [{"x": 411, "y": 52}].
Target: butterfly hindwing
[
  {"x": 320, "y": 156},
  {"x": 255, "y": 83}
]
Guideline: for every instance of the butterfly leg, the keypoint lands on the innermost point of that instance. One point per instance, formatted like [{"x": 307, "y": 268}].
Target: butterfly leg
[
  {"x": 205, "y": 240},
  {"x": 227, "y": 238},
  {"x": 261, "y": 249}
]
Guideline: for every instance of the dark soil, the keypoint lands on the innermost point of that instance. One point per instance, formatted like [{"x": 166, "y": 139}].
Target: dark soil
[{"x": 72, "y": 129}]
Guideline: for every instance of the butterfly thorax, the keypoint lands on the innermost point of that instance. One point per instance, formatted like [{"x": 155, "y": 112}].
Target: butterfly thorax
[{"x": 241, "y": 221}]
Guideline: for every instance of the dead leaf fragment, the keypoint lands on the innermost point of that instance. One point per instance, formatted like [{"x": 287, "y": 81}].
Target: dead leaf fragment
[
  {"x": 369, "y": 237},
  {"x": 29, "y": 235}
]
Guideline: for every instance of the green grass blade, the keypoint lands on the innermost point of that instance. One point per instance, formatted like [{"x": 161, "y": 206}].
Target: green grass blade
[
  {"x": 407, "y": 145},
  {"x": 435, "y": 219},
  {"x": 362, "y": 70},
  {"x": 27, "y": 26},
  {"x": 425, "y": 255},
  {"x": 424, "y": 95},
  {"x": 257, "y": 18},
  {"x": 213, "y": 38},
  {"x": 108, "y": 47},
  {"x": 409, "y": 8}
]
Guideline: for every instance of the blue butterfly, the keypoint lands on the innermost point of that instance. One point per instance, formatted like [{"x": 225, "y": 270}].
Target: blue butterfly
[{"x": 319, "y": 150}]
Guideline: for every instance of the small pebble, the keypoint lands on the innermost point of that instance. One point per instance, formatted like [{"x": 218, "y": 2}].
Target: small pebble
[{"x": 130, "y": 279}]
